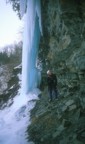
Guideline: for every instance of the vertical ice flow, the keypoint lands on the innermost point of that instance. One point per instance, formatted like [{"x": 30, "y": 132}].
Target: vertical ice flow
[
  {"x": 32, "y": 30},
  {"x": 22, "y": 7}
]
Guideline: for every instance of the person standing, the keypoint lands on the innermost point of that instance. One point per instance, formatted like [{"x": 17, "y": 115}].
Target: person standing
[{"x": 52, "y": 85}]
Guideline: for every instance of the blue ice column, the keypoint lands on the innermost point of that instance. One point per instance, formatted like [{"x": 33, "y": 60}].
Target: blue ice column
[
  {"x": 30, "y": 74},
  {"x": 33, "y": 71}
]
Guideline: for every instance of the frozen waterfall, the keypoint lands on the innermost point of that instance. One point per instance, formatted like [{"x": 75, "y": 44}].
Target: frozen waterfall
[
  {"x": 32, "y": 32},
  {"x": 15, "y": 116}
]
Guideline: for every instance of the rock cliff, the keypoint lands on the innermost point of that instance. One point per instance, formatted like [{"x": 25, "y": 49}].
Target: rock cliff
[
  {"x": 64, "y": 39},
  {"x": 63, "y": 50}
]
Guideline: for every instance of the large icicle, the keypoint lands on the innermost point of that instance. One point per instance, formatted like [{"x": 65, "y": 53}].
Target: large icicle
[
  {"x": 23, "y": 4},
  {"x": 30, "y": 45}
]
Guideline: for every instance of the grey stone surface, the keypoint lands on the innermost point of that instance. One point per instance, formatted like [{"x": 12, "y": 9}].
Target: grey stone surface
[{"x": 63, "y": 51}]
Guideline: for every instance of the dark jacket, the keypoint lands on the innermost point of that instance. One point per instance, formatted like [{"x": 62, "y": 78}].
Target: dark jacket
[{"x": 52, "y": 81}]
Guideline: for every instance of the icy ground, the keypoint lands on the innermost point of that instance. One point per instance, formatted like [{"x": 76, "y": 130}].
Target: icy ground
[{"x": 15, "y": 119}]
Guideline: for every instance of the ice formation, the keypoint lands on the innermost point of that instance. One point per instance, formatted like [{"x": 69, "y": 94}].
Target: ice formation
[{"x": 32, "y": 32}]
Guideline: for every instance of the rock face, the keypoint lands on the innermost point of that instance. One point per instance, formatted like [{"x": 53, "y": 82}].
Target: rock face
[
  {"x": 64, "y": 39},
  {"x": 63, "y": 47}
]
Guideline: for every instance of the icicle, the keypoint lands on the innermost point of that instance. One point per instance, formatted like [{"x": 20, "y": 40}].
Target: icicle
[
  {"x": 38, "y": 10},
  {"x": 23, "y": 4},
  {"x": 30, "y": 45}
]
